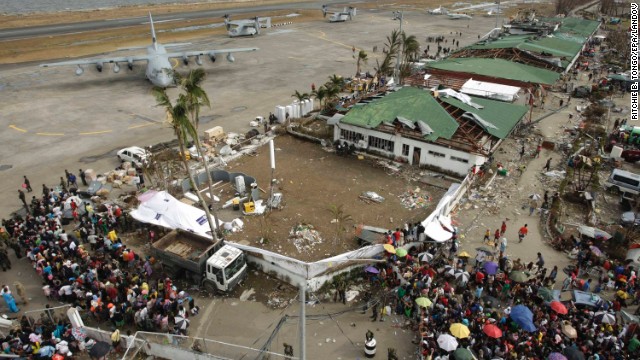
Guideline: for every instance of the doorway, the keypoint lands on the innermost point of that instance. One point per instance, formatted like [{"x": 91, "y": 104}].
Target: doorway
[{"x": 416, "y": 156}]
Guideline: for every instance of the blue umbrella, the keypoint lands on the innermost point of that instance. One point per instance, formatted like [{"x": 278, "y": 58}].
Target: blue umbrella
[
  {"x": 522, "y": 316},
  {"x": 490, "y": 267}
]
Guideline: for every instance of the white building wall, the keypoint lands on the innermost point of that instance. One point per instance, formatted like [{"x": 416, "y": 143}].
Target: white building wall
[{"x": 451, "y": 161}]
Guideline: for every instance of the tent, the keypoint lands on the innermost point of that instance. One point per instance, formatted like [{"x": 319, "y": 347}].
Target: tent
[
  {"x": 490, "y": 90},
  {"x": 162, "y": 209}
]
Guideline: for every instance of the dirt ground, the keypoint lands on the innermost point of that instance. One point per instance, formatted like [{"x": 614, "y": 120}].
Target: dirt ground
[{"x": 311, "y": 181}]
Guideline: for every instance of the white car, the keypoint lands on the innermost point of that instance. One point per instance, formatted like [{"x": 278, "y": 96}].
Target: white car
[{"x": 134, "y": 154}]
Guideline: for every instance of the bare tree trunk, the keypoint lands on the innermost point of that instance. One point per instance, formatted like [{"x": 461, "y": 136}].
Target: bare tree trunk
[
  {"x": 193, "y": 184},
  {"x": 205, "y": 163}
]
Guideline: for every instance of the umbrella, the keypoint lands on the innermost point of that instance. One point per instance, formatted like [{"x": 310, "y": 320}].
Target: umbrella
[
  {"x": 100, "y": 349},
  {"x": 518, "y": 276},
  {"x": 485, "y": 249},
  {"x": 425, "y": 257},
  {"x": 522, "y": 316},
  {"x": 463, "y": 354},
  {"x": 535, "y": 197},
  {"x": 462, "y": 275},
  {"x": 490, "y": 267},
  {"x": 464, "y": 254},
  {"x": 372, "y": 270},
  {"x": 423, "y": 302},
  {"x": 596, "y": 251},
  {"x": 558, "y": 307},
  {"x": 569, "y": 331},
  {"x": 492, "y": 331},
  {"x": 545, "y": 293},
  {"x": 389, "y": 248},
  {"x": 449, "y": 270},
  {"x": 605, "y": 317},
  {"x": 447, "y": 342},
  {"x": 182, "y": 323},
  {"x": 400, "y": 252},
  {"x": 79, "y": 333},
  {"x": 556, "y": 356},
  {"x": 572, "y": 353},
  {"x": 459, "y": 330}
]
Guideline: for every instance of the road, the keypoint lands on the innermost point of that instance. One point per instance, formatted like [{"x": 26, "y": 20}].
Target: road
[{"x": 61, "y": 29}]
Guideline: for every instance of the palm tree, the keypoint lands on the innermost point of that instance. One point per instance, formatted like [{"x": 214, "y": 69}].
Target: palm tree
[
  {"x": 341, "y": 219},
  {"x": 410, "y": 50},
  {"x": 300, "y": 96},
  {"x": 361, "y": 58},
  {"x": 390, "y": 53},
  {"x": 332, "y": 94},
  {"x": 178, "y": 114},
  {"x": 320, "y": 94},
  {"x": 335, "y": 81},
  {"x": 195, "y": 97}
]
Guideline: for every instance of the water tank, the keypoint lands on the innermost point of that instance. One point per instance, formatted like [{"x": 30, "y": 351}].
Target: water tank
[{"x": 240, "y": 187}]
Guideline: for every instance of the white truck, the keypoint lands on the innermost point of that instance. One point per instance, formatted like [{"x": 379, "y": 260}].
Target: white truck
[{"x": 215, "y": 266}]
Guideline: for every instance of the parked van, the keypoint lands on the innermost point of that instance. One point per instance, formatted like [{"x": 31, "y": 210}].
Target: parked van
[{"x": 621, "y": 181}]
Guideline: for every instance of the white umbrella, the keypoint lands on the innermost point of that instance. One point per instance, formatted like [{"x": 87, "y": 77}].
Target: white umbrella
[
  {"x": 449, "y": 270},
  {"x": 535, "y": 197},
  {"x": 447, "y": 342},
  {"x": 425, "y": 257},
  {"x": 605, "y": 317},
  {"x": 462, "y": 275}
]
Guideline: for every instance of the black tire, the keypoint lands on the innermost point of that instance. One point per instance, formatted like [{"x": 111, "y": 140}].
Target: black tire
[
  {"x": 210, "y": 287},
  {"x": 614, "y": 190}
]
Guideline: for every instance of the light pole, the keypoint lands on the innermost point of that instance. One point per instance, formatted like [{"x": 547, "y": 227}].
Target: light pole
[
  {"x": 398, "y": 15},
  {"x": 497, "y": 12}
]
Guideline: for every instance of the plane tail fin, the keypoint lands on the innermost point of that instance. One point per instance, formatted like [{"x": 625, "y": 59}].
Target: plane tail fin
[{"x": 154, "y": 40}]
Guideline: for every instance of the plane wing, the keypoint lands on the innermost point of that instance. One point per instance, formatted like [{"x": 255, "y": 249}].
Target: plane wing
[
  {"x": 207, "y": 52},
  {"x": 121, "y": 59}
]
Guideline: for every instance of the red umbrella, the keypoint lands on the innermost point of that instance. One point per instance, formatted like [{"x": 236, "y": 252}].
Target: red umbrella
[
  {"x": 558, "y": 307},
  {"x": 492, "y": 331}
]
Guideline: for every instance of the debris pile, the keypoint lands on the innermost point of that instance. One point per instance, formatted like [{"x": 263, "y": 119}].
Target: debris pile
[
  {"x": 370, "y": 196},
  {"x": 414, "y": 199},
  {"x": 304, "y": 237}
]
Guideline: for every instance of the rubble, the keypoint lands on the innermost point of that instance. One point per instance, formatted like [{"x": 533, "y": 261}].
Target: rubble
[
  {"x": 304, "y": 237},
  {"x": 413, "y": 199},
  {"x": 371, "y": 196}
]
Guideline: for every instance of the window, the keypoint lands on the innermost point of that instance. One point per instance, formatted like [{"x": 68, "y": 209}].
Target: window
[
  {"x": 455, "y": 158},
  {"x": 405, "y": 150},
  {"x": 351, "y": 136},
  {"x": 626, "y": 180},
  {"x": 382, "y": 144},
  {"x": 436, "y": 154}
]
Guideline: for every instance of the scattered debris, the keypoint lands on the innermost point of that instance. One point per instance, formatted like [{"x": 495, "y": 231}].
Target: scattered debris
[
  {"x": 413, "y": 199},
  {"x": 371, "y": 196},
  {"x": 304, "y": 237}
]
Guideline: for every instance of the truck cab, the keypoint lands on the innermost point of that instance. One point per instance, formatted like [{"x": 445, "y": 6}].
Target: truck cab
[{"x": 225, "y": 269}]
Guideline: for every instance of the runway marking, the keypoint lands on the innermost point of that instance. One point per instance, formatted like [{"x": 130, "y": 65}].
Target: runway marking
[
  {"x": 139, "y": 126},
  {"x": 49, "y": 134},
  {"x": 96, "y": 132},
  {"x": 17, "y": 128}
]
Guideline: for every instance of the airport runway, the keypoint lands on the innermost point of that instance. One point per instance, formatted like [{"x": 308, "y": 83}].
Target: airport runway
[{"x": 61, "y": 29}]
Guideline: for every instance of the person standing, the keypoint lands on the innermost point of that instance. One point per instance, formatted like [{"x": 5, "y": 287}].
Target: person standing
[
  {"x": 533, "y": 205},
  {"x": 496, "y": 236},
  {"x": 503, "y": 246},
  {"x": 73, "y": 181},
  {"x": 21, "y": 292},
  {"x": 487, "y": 236},
  {"x": 540, "y": 263},
  {"x": 547, "y": 166},
  {"x": 503, "y": 228},
  {"x": 27, "y": 184},
  {"x": 523, "y": 232},
  {"x": 522, "y": 151},
  {"x": 83, "y": 177},
  {"x": 538, "y": 150},
  {"x": 9, "y": 299},
  {"x": 23, "y": 198},
  {"x": 45, "y": 191}
]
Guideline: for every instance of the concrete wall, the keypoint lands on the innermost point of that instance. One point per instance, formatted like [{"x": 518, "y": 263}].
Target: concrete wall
[{"x": 445, "y": 163}]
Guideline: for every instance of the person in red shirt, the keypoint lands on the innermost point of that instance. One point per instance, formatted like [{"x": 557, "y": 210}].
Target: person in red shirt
[
  {"x": 503, "y": 228},
  {"x": 523, "y": 232},
  {"x": 479, "y": 277}
]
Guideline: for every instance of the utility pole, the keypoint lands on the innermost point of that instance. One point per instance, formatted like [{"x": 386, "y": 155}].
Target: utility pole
[
  {"x": 497, "y": 13},
  {"x": 303, "y": 300},
  {"x": 398, "y": 15}
]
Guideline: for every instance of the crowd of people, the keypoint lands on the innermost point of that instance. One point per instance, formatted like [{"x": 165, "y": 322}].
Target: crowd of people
[
  {"x": 499, "y": 308},
  {"x": 89, "y": 267}
]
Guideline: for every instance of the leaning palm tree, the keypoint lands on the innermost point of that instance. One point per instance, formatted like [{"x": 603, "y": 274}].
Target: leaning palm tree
[
  {"x": 195, "y": 97},
  {"x": 320, "y": 94},
  {"x": 410, "y": 50},
  {"x": 361, "y": 58},
  {"x": 178, "y": 115}
]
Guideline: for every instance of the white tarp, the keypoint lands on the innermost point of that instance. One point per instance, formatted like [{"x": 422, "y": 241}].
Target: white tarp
[
  {"x": 162, "y": 209},
  {"x": 633, "y": 255},
  {"x": 438, "y": 224},
  {"x": 490, "y": 90},
  {"x": 460, "y": 96}
]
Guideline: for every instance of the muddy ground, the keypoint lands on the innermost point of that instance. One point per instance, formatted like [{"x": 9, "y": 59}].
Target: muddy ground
[{"x": 312, "y": 180}]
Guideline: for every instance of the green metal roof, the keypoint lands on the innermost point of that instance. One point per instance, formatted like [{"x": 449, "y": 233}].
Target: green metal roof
[
  {"x": 501, "y": 115},
  {"x": 578, "y": 26},
  {"x": 410, "y": 103},
  {"x": 498, "y": 68}
]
